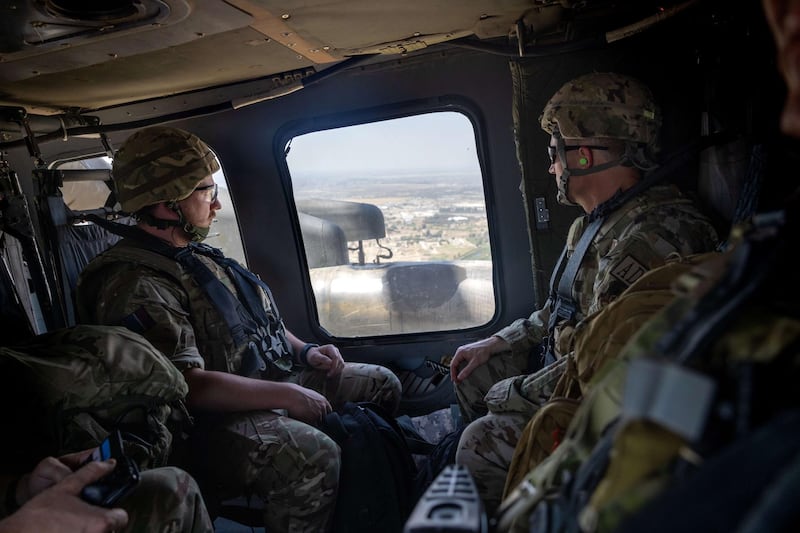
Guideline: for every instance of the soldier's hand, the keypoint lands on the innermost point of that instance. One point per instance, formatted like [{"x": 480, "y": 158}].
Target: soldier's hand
[
  {"x": 327, "y": 358},
  {"x": 472, "y": 355},
  {"x": 47, "y": 473},
  {"x": 59, "y": 508},
  {"x": 308, "y": 406}
]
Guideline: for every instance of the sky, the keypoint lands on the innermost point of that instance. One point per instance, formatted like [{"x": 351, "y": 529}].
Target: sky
[{"x": 432, "y": 141}]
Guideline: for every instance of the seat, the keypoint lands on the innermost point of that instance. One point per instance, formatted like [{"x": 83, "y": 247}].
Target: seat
[
  {"x": 71, "y": 241},
  {"x": 729, "y": 181}
]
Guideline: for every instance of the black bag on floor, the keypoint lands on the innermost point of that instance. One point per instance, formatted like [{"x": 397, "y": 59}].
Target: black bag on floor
[{"x": 376, "y": 483}]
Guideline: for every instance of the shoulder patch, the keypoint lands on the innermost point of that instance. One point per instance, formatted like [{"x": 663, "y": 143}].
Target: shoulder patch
[{"x": 628, "y": 270}]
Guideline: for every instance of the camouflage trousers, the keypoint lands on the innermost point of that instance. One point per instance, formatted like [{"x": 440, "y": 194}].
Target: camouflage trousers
[
  {"x": 487, "y": 444},
  {"x": 470, "y": 392},
  {"x": 167, "y": 500},
  {"x": 486, "y": 448},
  {"x": 358, "y": 382},
  {"x": 291, "y": 466}
]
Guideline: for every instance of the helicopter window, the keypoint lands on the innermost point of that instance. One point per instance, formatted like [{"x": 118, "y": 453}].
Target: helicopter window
[{"x": 393, "y": 220}]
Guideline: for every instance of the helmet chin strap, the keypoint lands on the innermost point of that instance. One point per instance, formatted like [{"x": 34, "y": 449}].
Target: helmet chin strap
[
  {"x": 196, "y": 234},
  {"x": 566, "y": 172}
]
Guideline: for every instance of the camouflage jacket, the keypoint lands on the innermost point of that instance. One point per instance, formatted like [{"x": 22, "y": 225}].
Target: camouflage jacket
[
  {"x": 157, "y": 297},
  {"x": 760, "y": 338},
  {"x": 638, "y": 236}
]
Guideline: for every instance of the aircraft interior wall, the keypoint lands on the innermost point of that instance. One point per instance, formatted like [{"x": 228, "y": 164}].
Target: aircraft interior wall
[{"x": 713, "y": 70}]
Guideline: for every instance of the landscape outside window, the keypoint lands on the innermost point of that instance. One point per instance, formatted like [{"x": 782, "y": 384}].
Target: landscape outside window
[{"x": 393, "y": 217}]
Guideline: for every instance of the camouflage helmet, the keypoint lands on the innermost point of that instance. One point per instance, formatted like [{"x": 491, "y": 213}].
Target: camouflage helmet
[
  {"x": 604, "y": 105},
  {"x": 160, "y": 164}
]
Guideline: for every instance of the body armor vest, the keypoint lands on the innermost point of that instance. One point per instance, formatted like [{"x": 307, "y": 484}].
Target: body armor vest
[{"x": 236, "y": 323}]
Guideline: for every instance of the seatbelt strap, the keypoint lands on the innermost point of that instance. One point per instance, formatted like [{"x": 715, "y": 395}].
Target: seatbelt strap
[
  {"x": 562, "y": 305},
  {"x": 565, "y": 305},
  {"x": 224, "y": 301},
  {"x": 556, "y": 275}
]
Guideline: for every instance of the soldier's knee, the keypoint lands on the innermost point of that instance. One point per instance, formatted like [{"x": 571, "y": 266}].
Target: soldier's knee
[
  {"x": 167, "y": 499},
  {"x": 167, "y": 483},
  {"x": 378, "y": 384},
  {"x": 481, "y": 439},
  {"x": 392, "y": 390},
  {"x": 392, "y": 383},
  {"x": 468, "y": 443}
]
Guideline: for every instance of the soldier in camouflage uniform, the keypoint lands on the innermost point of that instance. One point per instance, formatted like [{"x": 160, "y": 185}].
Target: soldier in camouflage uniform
[
  {"x": 691, "y": 469},
  {"x": 256, "y": 389},
  {"x": 167, "y": 500},
  {"x": 604, "y": 131}
]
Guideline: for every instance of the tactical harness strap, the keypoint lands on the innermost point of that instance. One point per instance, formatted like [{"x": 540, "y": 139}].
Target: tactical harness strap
[
  {"x": 563, "y": 307},
  {"x": 245, "y": 317}
]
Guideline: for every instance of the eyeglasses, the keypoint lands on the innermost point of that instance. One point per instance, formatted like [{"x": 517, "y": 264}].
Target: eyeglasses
[
  {"x": 210, "y": 192},
  {"x": 552, "y": 151}
]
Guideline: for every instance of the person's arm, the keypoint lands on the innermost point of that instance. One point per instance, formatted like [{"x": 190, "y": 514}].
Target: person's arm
[
  {"x": 470, "y": 356},
  {"x": 223, "y": 392},
  {"x": 152, "y": 305},
  {"x": 522, "y": 334},
  {"x": 155, "y": 302},
  {"x": 525, "y": 333},
  {"x": 58, "y": 508}
]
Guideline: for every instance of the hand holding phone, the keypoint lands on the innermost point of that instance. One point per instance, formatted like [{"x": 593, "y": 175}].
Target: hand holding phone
[{"x": 110, "y": 489}]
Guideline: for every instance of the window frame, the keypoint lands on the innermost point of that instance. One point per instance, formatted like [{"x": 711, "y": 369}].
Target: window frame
[{"x": 377, "y": 114}]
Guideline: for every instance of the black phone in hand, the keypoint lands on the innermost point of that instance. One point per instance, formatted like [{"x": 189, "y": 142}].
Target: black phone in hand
[{"x": 111, "y": 488}]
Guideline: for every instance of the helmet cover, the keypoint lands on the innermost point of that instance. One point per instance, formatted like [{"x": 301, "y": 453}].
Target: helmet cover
[
  {"x": 604, "y": 105},
  {"x": 160, "y": 164}
]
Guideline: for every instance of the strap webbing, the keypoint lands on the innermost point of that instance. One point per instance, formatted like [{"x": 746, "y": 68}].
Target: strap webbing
[
  {"x": 240, "y": 319},
  {"x": 565, "y": 306}
]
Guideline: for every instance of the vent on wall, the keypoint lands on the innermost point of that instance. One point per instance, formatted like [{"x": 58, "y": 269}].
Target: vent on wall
[{"x": 39, "y": 23}]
